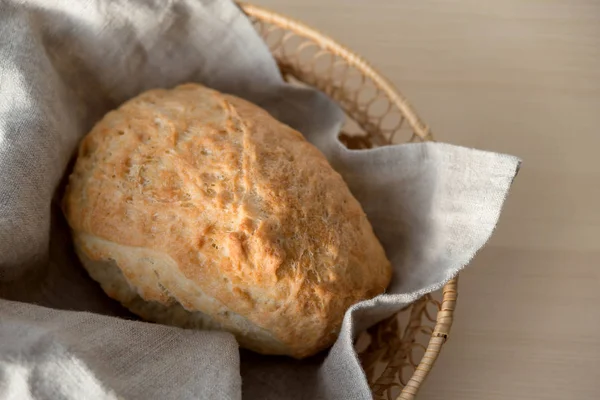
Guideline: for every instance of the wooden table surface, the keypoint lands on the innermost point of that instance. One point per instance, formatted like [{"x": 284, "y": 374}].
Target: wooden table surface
[{"x": 522, "y": 77}]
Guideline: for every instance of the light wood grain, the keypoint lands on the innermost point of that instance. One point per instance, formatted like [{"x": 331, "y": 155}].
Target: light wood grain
[{"x": 522, "y": 77}]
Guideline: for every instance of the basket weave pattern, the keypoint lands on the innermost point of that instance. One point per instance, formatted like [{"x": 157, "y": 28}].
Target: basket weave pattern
[{"x": 398, "y": 353}]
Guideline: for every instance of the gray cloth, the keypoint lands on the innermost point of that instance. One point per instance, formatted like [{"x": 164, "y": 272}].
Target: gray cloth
[{"x": 63, "y": 64}]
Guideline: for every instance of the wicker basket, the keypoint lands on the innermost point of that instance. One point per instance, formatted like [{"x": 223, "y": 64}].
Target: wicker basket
[{"x": 398, "y": 353}]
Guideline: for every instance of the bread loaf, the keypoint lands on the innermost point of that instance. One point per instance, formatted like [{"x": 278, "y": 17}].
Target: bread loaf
[{"x": 198, "y": 209}]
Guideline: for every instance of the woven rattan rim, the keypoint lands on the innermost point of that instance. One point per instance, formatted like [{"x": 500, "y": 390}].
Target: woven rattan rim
[{"x": 383, "y": 385}]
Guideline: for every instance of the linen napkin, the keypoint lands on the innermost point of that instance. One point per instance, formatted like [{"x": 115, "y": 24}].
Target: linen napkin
[{"x": 63, "y": 65}]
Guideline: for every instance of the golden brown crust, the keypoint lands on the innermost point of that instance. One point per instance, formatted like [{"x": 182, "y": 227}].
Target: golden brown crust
[{"x": 251, "y": 215}]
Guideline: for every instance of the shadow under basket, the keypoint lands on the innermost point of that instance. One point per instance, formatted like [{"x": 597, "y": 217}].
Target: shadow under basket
[{"x": 398, "y": 353}]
